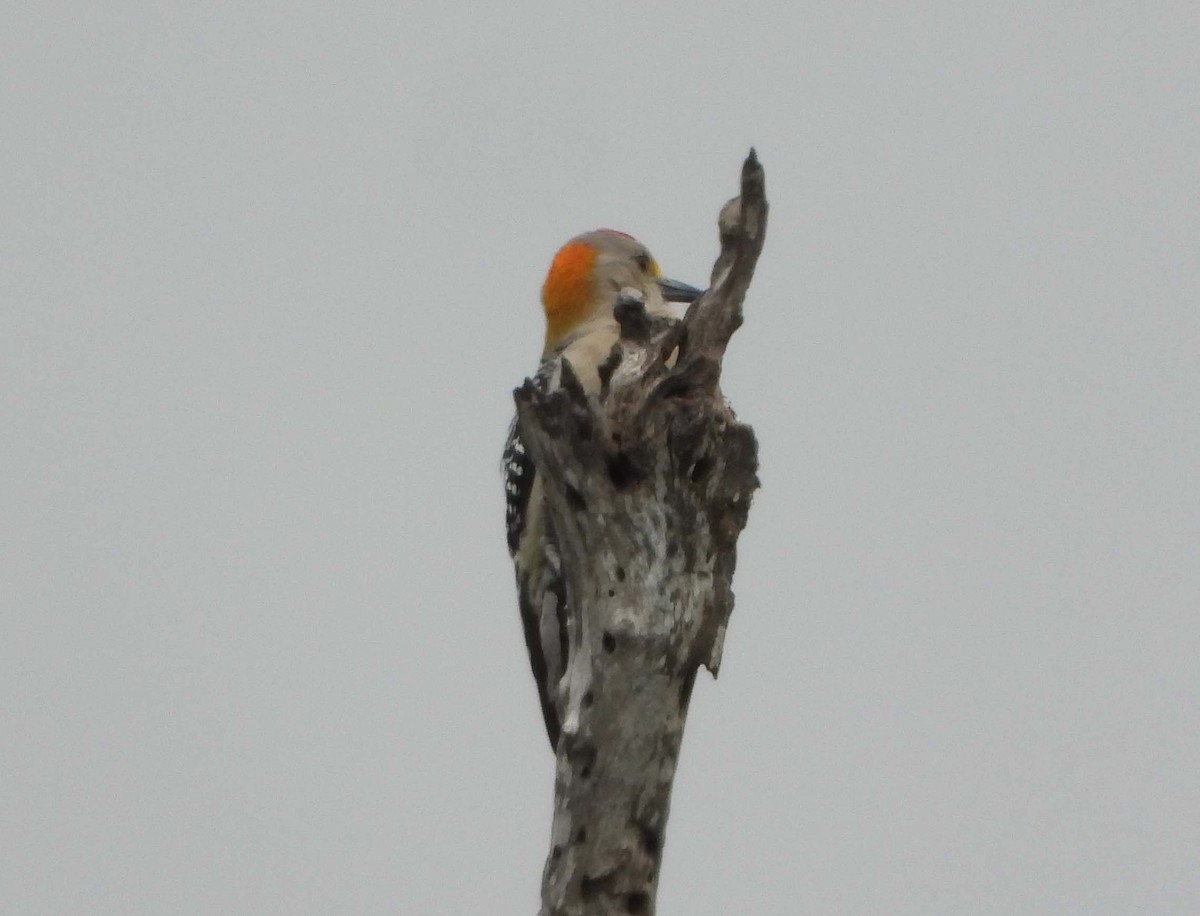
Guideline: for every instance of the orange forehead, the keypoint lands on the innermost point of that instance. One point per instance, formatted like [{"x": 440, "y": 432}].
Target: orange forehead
[{"x": 568, "y": 291}]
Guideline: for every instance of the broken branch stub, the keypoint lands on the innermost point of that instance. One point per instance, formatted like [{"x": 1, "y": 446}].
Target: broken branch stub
[{"x": 647, "y": 488}]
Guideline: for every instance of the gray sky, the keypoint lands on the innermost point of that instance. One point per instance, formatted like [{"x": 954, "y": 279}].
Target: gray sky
[{"x": 267, "y": 280}]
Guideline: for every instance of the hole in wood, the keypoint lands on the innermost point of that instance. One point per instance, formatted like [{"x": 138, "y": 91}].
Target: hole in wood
[
  {"x": 622, "y": 471},
  {"x": 637, "y": 903},
  {"x": 575, "y": 499},
  {"x": 609, "y": 642},
  {"x": 701, "y": 468},
  {"x": 587, "y": 759},
  {"x": 589, "y": 887},
  {"x": 648, "y": 840}
]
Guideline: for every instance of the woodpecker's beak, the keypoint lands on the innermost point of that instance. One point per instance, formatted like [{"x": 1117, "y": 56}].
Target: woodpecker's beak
[{"x": 674, "y": 291}]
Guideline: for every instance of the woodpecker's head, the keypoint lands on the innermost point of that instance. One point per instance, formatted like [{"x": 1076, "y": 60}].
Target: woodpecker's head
[{"x": 588, "y": 274}]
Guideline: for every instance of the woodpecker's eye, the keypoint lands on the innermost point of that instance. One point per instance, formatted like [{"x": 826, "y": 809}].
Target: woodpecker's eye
[{"x": 643, "y": 262}]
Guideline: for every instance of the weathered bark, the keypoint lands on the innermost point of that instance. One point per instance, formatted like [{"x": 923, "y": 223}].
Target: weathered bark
[{"x": 647, "y": 488}]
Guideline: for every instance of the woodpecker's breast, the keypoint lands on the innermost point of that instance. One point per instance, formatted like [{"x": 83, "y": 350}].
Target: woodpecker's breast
[{"x": 586, "y": 352}]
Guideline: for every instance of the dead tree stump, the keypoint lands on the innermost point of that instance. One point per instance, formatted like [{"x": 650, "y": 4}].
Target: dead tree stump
[{"x": 647, "y": 488}]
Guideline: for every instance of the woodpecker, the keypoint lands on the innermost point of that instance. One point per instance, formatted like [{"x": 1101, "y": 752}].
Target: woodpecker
[{"x": 582, "y": 287}]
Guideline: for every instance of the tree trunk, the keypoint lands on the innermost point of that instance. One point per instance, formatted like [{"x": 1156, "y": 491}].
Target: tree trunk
[{"x": 647, "y": 488}]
